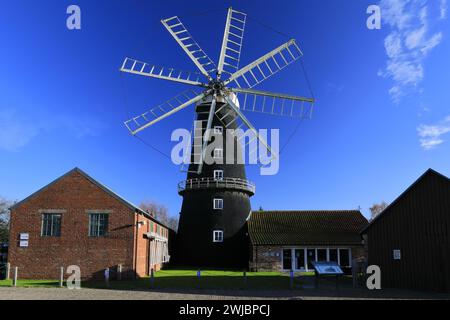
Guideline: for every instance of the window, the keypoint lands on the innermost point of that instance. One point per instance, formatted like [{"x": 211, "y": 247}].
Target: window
[
  {"x": 321, "y": 254},
  {"x": 51, "y": 225},
  {"x": 344, "y": 257},
  {"x": 218, "y": 153},
  {"x": 287, "y": 259},
  {"x": 218, "y": 175},
  {"x": 333, "y": 255},
  {"x": 218, "y": 204},
  {"x": 299, "y": 259},
  {"x": 218, "y": 130},
  {"x": 98, "y": 224},
  {"x": 217, "y": 236},
  {"x": 310, "y": 258}
]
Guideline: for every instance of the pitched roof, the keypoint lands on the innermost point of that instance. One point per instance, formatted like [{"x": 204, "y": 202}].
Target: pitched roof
[
  {"x": 339, "y": 227},
  {"x": 430, "y": 172},
  {"x": 101, "y": 186}
]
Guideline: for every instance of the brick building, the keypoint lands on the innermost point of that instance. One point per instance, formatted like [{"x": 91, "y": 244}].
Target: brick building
[
  {"x": 292, "y": 240},
  {"x": 75, "y": 220}
]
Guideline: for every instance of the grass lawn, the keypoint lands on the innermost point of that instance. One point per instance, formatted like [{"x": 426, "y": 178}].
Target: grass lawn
[
  {"x": 30, "y": 283},
  {"x": 184, "y": 279}
]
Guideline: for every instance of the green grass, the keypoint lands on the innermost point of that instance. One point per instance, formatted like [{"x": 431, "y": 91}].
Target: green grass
[
  {"x": 30, "y": 283},
  {"x": 183, "y": 279}
]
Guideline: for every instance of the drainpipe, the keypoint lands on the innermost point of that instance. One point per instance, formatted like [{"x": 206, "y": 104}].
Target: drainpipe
[{"x": 136, "y": 231}]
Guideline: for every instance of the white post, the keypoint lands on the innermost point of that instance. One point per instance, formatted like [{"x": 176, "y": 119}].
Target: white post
[
  {"x": 16, "y": 271},
  {"x": 61, "y": 277},
  {"x": 107, "y": 277},
  {"x": 119, "y": 272},
  {"x": 8, "y": 271}
]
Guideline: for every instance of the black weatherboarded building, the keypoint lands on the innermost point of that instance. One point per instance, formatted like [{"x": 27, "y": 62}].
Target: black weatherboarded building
[{"x": 410, "y": 239}]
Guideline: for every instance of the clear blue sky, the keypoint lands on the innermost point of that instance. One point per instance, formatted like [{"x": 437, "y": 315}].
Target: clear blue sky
[{"x": 382, "y": 116}]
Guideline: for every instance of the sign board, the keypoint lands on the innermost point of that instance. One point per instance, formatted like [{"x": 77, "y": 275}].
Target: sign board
[
  {"x": 24, "y": 236},
  {"x": 23, "y": 243},
  {"x": 327, "y": 268},
  {"x": 397, "y": 254}
]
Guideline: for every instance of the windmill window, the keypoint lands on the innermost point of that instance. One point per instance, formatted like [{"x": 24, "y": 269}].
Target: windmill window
[
  {"x": 218, "y": 130},
  {"x": 217, "y": 236},
  {"x": 218, "y": 204},
  {"x": 218, "y": 175},
  {"x": 218, "y": 153}
]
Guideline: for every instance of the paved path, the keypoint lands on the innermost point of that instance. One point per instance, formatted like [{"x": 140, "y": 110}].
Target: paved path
[{"x": 8, "y": 293}]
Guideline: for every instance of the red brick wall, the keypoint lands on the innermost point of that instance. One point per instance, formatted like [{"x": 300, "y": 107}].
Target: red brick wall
[
  {"x": 144, "y": 245},
  {"x": 76, "y": 195}
]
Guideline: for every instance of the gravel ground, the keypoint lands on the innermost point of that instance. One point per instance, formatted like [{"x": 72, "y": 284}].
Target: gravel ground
[{"x": 7, "y": 293}]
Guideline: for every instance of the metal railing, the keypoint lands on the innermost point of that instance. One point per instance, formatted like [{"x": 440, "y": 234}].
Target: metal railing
[{"x": 224, "y": 183}]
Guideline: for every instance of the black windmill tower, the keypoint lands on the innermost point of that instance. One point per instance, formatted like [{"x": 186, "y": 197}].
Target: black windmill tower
[{"x": 216, "y": 194}]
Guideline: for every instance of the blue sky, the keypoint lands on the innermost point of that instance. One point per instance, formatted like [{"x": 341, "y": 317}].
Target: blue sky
[{"x": 382, "y": 115}]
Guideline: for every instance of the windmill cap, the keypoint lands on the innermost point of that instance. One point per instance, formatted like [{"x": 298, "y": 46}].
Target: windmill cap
[{"x": 208, "y": 99}]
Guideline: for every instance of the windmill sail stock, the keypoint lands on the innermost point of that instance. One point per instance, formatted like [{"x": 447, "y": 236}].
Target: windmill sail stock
[{"x": 217, "y": 87}]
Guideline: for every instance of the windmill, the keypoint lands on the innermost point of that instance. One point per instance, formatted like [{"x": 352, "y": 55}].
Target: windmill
[{"x": 216, "y": 196}]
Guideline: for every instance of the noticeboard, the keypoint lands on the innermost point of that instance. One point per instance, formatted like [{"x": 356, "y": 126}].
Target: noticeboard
[
  {"x": 24, "y": 236},
  {"x": 23, "y": 243},
  {"x": 327, "y": 268}
]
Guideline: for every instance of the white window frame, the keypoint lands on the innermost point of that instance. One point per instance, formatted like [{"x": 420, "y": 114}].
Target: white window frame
[
  {"x": 218, "y": 130},
  {"x": 97, "y": 231},
  {"x": 219, "y": 200},
  {"x": 305, "y": 253},
  {"x": 220, "y": 178},
  {"x": 218, "y": 150},
  {"x": 52, "y": 224},
  {"x": 216, "y": 237}
]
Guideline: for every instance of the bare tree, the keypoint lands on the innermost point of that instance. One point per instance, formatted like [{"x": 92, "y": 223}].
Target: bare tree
[
  {"x": 4, "y": 219},
  {"x": 377, "y": 208},
  {"x": 160, "y": 212}
]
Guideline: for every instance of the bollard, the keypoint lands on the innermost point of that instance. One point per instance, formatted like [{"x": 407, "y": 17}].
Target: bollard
[
  {"x": 245, "y": 279},
  {"x": 107, "y": 277},
  {"x": 16, "y": 271},
  {"x": 61, "y": 277},
  {"x": 119, "y": 272},
  {"x": 199, "y": 274},
  {"x": 8, "y": 271},
  {"x": 291, "y": 279},
  {"x": 152, "y": 278}
]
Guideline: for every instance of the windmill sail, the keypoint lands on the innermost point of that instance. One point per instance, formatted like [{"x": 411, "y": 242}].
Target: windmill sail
[
  {"x": 233, "y": 37},
  {"x": 266, "y": 66},
  {"x": 179, "y": 32},
  {"x": 163, "y": 110},
  {"x": 144, "y": 69},
  {"x": 274, "y": 103}
]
